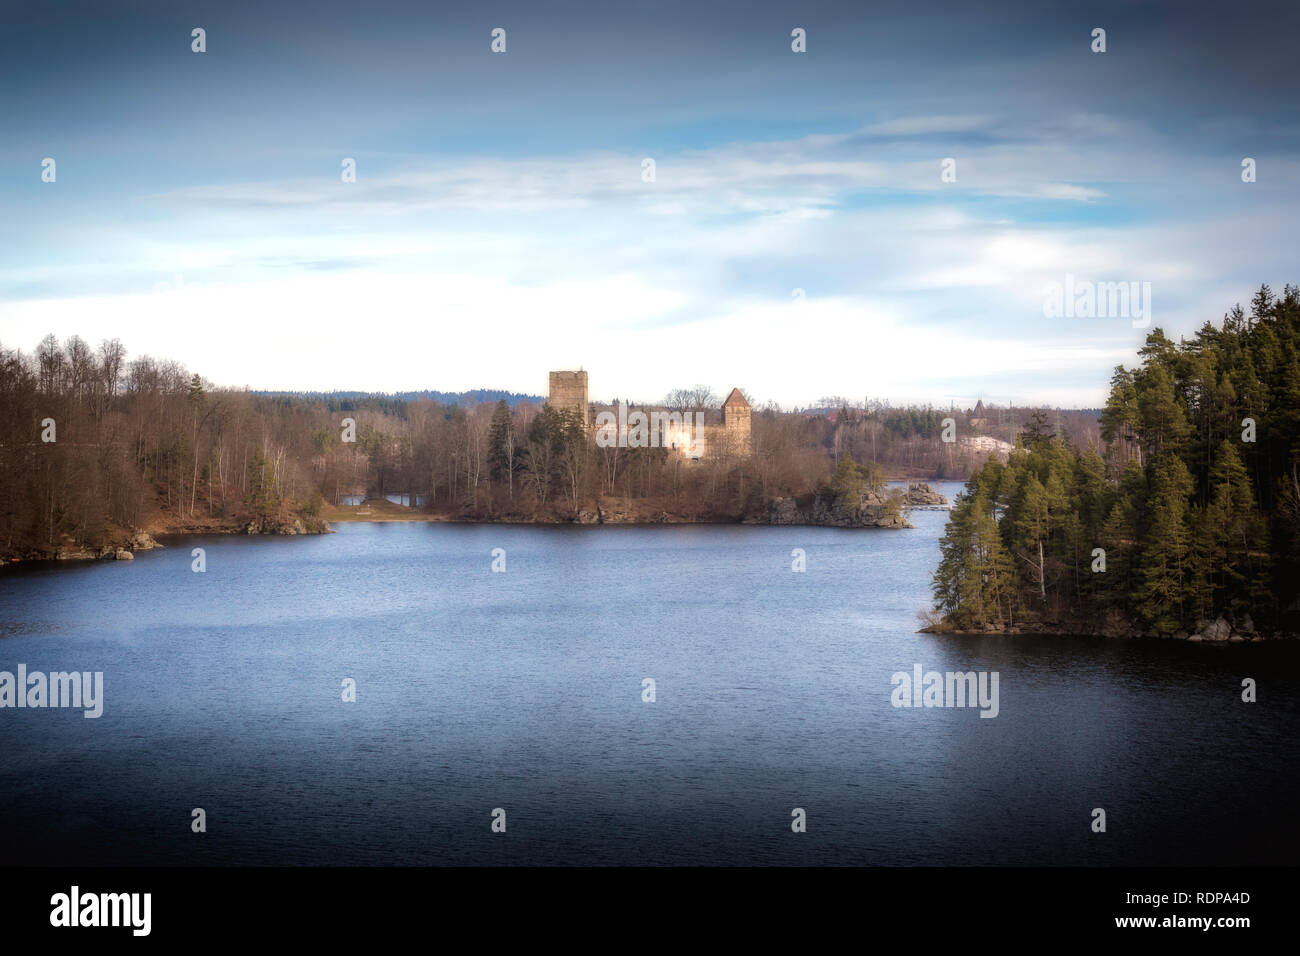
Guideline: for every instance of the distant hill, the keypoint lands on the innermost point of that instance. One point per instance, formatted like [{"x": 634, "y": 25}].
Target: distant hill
[{"x": 477, "y": 396}]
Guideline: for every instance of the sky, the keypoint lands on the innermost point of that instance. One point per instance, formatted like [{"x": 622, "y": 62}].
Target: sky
[{"x": 798, "y": 238}]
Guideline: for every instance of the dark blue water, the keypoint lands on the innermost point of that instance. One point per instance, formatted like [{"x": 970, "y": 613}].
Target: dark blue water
[{"x": 523, "y": 690}]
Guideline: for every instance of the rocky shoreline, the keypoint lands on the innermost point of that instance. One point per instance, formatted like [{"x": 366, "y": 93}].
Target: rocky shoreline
[
  {"x": 883, "y": 508},
  {"x": 124, "y": 548},
  {"x": 1220, "y": 631},
  {"x": 139, "y": 541},
  {"x": 871, "y": 511},
  {"x": 877, "y": 508}
]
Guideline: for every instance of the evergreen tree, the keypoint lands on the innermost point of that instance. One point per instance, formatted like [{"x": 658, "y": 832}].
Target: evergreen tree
[
  {"x": 1031, "y": 515},
  {"x": 1038, "y": 432},
  {"x": 1234, "y": 534},
  {"x": 1163, "y": 421},
  {"x": 1160, "y": 595},
  {"x": 1195, "y": 501},
  {"x": 848, "y": 482},
  {"x": 1119, "y": 419},
  {"x": 501, "y": 446},
  {"x": 975, "y": 584}
]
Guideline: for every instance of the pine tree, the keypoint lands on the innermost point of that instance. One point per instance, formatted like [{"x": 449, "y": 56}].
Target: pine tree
[
  {"x": 501, "y": 446},
  {"x": 1196, "y": 502},
  {"x": 1163, "y": 420},
  {"x": 1160, "y": 596},
  {"x": 1031, "y": 523},
  {"x": 1119, "y": 419},
  {"x": 848, "y": 482},
  {"x": 975, "y": 584},
  {"x": 954, "y": 548},
  {"x": 1235, "y": 536},
  {"x": 1038, "y": 431}
]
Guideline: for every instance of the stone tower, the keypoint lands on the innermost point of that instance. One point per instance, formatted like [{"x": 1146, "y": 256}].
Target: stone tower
[
  {"x": 735, "y": 422},
  {"x": 569, "y": 390}
]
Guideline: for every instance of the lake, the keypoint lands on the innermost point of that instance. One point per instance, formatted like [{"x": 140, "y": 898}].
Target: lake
[{"x": 523, "y": 690}]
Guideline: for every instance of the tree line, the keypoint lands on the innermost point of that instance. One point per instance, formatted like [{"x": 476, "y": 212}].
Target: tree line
[
  {"x": 140, "y": 442},
  {"x": 1187, "y": 509}
]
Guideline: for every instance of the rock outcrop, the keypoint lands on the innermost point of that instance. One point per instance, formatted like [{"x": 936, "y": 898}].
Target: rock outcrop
[
  {"x": 921, "y": 495},
  {"x": 1221, "y": 630},
  {"x": 272, "y": 524},
  {"x": 143, "y": 541},
  {"x": 874, "y": 509},
  {"x": 75, "y": 554}
]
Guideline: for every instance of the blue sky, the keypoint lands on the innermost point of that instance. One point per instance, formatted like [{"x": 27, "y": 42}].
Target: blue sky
[{"x": 500, "y": 225}]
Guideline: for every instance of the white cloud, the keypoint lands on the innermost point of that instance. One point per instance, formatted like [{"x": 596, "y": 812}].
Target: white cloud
[
  {"x": 489, "y": 272},
  {"x": 457, "y": 331},
  {"x": 921, "y": 125}
]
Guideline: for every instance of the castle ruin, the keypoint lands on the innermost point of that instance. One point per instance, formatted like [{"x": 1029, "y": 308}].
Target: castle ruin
[
  {"x": 569, "y": 391},
  {"x": 728, "y": 438},
  {"x": 735, "y": 422}
]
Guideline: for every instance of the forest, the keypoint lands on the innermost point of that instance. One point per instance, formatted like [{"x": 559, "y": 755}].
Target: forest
[
  {"x": 1186, "y": 511},
  {"x": 96, "y": 445}
]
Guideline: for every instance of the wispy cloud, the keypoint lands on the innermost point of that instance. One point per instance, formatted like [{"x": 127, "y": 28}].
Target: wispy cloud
[{"x": 503, "y": 199}]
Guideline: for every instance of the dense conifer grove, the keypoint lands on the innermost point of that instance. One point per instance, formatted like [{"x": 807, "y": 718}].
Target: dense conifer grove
[{"x": 1188, "y": 508}]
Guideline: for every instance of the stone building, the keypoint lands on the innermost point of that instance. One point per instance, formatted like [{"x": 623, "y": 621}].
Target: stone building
[
  {"x": 694, "y": 435},
  {"x": 735, "y": 422},
  {"x": 569, "y": 390}
]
